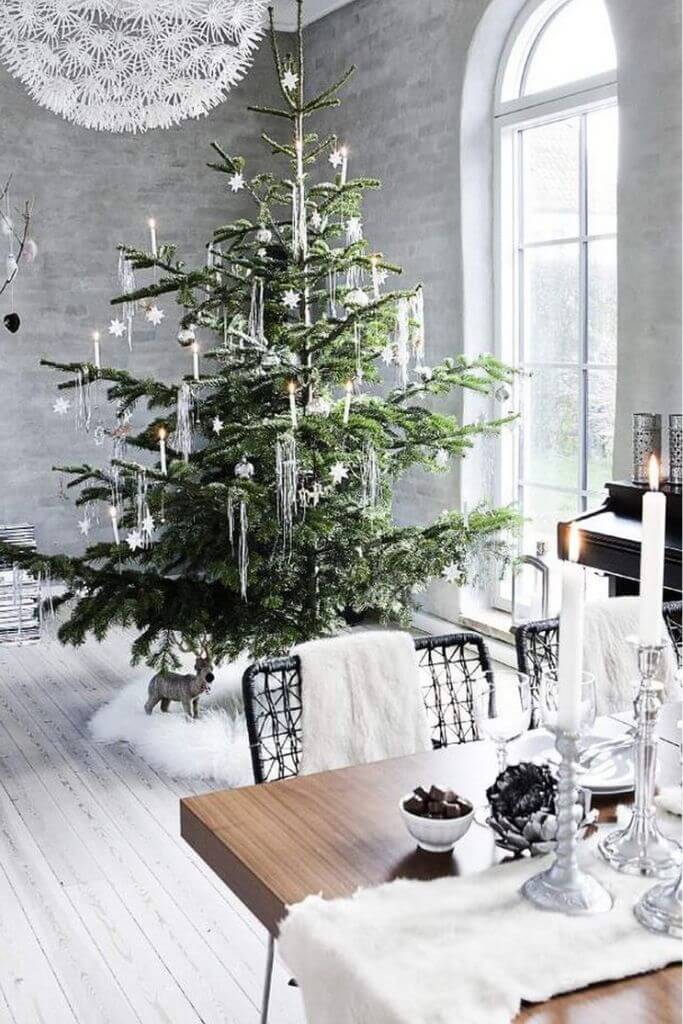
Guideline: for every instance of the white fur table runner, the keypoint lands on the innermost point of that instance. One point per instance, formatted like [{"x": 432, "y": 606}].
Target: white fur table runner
[
  {"x": 362, "y": 700},
  {"x": 460, "y": 950}
]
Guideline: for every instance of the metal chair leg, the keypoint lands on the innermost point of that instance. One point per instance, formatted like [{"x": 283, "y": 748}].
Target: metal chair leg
[{"x": 270, "y": 958}]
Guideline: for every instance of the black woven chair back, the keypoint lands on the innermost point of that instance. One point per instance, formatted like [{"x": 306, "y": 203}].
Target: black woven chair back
[
  {"x": 272, "y": 701},
  {"x": 538, "y": 645}
]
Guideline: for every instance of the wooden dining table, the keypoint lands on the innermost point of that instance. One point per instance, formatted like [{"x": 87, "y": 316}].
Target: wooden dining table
[{"x": 333, "y": 832}]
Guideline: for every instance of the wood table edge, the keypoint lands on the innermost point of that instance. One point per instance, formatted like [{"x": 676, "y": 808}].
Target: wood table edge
[{"x": 248, "y": 888}]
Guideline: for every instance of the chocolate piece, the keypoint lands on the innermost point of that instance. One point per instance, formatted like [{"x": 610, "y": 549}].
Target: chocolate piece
[
  {"x": 435, "y": 808},
  {"x": 415, "y": 806},
  {"x": 436, "y": 794},
  {"x": 421, "y": 793},
  {"x": 450, "y": 797},
  {"x": 455, "y": 811}
]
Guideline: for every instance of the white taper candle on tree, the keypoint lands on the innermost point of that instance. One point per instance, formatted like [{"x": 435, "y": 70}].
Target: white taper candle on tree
[
  {"x": 96, "y": 347},
  {"x": 345, "y": 164},
  {"x": 162, "y": 450},
  {"x": 570, "y": 661},
  {"x": 195, "y": 360},
  {"x": 114, "y": 522},
  {"x": 375, "y": 277},
  {"x": 153, "y": 235},
  {"x": 292, "y": 403},
  {"x": 652, "y": 549}
]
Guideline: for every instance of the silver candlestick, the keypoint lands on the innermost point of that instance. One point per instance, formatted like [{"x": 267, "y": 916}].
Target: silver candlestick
[
  {"x": 640, "y": 848},
  {"x": 564, "y": 887},
  {"x": 661, "y": 910}
]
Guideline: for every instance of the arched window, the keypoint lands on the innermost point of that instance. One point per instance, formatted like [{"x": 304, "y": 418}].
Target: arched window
[{"x": 556, "y": 135}]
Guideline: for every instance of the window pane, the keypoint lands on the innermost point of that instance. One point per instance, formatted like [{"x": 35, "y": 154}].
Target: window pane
[
  {"x": 551, "y": 303},
  {"x": 550, "y": 427},
  {"x": 602, "y": 144},
  {"x": 602, "y": 301},
  {"x": 601, "y": 399},
  {"x": 550, "y": 173},
  {"x": 546, "y": 509},
  {"x": 576, "y": 43}
]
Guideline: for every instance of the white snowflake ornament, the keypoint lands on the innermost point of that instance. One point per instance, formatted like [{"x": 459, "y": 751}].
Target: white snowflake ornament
[
  {"x": 236, "y": 182},
  {"x": 61, "y": 406},
  {"x": 217, "y": 425},
  {"x": 148, "y": 525},
  {"x": 84, "y": 526},
  {"x": 290, "y": 80},
  {"x": 388, "y": 354},
  {"x": 134, "y": 540},
  {"x": 336, "y": 158},
  {"x": 291, "y": 299},
  {"x": 154, "y": 315},
  {"x": 117, "y": 328},
  {"x": 338, "y": 472}
]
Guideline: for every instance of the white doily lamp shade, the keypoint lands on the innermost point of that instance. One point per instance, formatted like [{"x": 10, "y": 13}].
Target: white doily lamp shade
[{"x": 129, "y": 65}]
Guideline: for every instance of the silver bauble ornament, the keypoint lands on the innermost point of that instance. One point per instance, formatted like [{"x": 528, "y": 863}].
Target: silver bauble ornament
[
  {"x": 502, "y": 393},
  {"x": 30, "y": 252},
  {"x": 357, "y": 298},
  {"x": 244, "y": 470},
  {"x": 186, "y": 336}
]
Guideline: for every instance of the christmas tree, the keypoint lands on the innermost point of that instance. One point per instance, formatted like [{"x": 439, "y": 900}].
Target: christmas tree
[{"x": 258, "y": 513}]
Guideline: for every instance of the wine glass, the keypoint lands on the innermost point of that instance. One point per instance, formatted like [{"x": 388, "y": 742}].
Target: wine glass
[
  {"x": 549, "y": 702},
  {"x": 502, "y": 709}
]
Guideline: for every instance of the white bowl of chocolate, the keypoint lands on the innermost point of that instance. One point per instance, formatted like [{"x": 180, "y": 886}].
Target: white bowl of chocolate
[{"x": 436, "y": 817}]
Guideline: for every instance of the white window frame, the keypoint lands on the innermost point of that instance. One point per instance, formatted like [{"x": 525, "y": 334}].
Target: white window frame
[{"x": 512, "y": 116}]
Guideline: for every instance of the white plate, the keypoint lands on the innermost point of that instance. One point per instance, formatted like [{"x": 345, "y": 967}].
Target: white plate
[{"x": 616, "y": 774}]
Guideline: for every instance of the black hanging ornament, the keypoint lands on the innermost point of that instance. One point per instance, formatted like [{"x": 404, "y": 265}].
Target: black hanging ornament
[{"x": 12, "y": 322}]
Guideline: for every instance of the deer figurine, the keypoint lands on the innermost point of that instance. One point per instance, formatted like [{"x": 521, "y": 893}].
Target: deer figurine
[{"x": 167, "y": 686}]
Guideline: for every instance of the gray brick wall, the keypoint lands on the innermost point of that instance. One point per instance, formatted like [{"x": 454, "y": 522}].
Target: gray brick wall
[{"x": 93, "y": 190}]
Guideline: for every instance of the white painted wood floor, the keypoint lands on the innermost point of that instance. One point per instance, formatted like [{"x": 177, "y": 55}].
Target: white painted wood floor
[{"x": 106, "y": 915}]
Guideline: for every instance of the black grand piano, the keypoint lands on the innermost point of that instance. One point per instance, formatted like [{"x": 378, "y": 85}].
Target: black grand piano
[{"x": 610, "y": 538}]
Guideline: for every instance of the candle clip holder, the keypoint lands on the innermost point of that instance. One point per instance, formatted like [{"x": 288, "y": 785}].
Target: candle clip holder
[
  {"x": 564, "y": 887},
  {"x": 640, "y": 848}
]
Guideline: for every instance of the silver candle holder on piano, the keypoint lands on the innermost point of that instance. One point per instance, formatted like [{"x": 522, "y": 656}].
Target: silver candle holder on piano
[
  {"x": 640, "y": 848},
  {"x": 564, "y": 887}
]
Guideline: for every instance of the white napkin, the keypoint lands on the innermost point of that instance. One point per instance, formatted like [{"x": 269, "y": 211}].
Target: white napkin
[{"x": 670, "y": 799}]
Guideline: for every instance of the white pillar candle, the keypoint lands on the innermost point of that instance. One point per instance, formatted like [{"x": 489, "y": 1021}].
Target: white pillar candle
[
  {"x": 652, "y": 560},
  {"x": 345, "y": 164},
  {"x": 570, "y": 661},
  {"x": 347, "y": 402},
  {"x": 195, "y": 360},
  {"x": 292, "y": 403},
  {"x": 114, "y": 522},
  {"x": 162, "y": 450},
  {"x": 153, "y": 235},
  {"x": 375, "y": 277},
  {"x": 96, "y": 347}
]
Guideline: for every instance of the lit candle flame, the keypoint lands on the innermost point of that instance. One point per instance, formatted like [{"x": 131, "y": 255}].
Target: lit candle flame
[
  {"x": 151, "y": 222},
  {"x": 162, "y": 433},
  {"x": 653, "y": 473},
  {"x": 292, "y": 387},
  {"x": 112, "y": 511},
  {"x": 349, "y": 387},
  {"x": 95, "y": 335},
  {"x": 574, "y": 542},
  {"x": 195, "y": 346}
]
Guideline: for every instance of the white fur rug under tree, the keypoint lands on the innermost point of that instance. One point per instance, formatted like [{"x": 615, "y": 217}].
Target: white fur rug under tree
[{"x": 213, "y": 747}]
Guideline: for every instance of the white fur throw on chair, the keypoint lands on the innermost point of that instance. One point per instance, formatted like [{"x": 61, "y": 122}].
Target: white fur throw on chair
[
  {"x": 612, "y": 659},
  {"x": 361, "y": 700}
]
